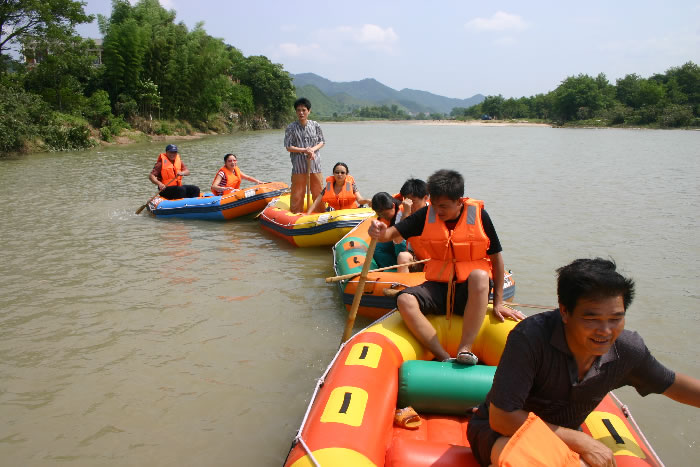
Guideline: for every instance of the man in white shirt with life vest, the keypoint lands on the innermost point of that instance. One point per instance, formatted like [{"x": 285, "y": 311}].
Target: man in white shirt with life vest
[
  {"x": 167, "y": 173},
  {"x": 458, "y": 236}
]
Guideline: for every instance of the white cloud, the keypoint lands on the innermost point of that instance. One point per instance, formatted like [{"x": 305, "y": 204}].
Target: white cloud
[
  {"x": 335, "y": 45},
  {"x": 368, "y": 35},
  {"x": 500, "y": 21},
  {"x": 293, "y": 50}
]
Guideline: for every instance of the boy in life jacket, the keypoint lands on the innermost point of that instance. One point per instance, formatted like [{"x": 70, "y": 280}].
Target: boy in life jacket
[
  {"x": 457, "y": 235},
  {"x": 169, "y": 166},
  {"x": 413, "y": 196},
  {"x": 559, "y": 364}
]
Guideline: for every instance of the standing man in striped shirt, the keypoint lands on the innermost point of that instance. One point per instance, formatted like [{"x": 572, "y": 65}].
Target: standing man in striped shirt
[{"x": 303, "y": 139}]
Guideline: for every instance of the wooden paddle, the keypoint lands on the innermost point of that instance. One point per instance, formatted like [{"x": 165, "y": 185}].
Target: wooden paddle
[
  {"x": 138, "y": 211},
  {"x": 308, "y": 182},
  {"x": 358, "y": 293},
  {"x": 350, "y": 276},
  {"x": 512, "y": 304}
]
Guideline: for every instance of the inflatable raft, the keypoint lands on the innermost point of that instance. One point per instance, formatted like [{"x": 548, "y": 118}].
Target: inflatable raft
[
  {"x": 349, "y": 421},
  {"x": 349, "y": 256},
  {"x": 212, "y": 207},
  {"x": 310, "y": 230}
]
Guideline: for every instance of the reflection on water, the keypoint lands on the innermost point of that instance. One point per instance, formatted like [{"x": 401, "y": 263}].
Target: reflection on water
[{"x": 130, "y": 340}]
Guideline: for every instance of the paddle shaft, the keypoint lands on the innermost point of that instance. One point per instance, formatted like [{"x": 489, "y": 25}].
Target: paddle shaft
[
  {"x": 541, "y": 307},
  {"x": 308, "y": 183},
  {"x": 358, "y": 293},
  {"x": 138, "y": 211},
  {"x": 350, "y": 276}
]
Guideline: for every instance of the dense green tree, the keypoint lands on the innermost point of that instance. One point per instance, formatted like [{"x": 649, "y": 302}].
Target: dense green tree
[
  {"x": 577, "y": 98},
  {"x": 63, "y": 73},
  {"x": 273, "y": 91},
  {"x": 515, "y": 108},
  {"x": 22, "y": 116},
  {"x": 21, "y": 20},
  {"x": 493, "y": 106}
]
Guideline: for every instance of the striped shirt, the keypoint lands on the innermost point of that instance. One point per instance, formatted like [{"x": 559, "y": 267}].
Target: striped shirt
[{"x": 303, "y": 137}]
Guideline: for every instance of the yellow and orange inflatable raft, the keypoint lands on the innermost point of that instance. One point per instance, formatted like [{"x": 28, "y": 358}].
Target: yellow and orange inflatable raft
[
  {"x": 307, "y": 230},
  {"x": 348, "y": 257},
  {"x": 350, "y": 419}
]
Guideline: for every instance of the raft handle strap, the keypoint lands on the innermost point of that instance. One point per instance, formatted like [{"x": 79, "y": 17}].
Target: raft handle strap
[{"x": 626, "y": 411}]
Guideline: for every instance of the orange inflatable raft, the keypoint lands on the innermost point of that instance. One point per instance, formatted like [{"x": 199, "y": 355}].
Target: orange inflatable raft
[
  {"x": 350, "y": 419},
  {"x": 349, "y": 256}
]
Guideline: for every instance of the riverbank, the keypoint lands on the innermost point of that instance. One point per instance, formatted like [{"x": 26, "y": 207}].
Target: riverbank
[
  {"x": 484, "y": 123},
  {"x": 136, "y": 136}
]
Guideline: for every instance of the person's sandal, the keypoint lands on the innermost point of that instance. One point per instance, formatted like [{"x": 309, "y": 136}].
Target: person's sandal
[
  {"x": 466, "y": 358},
  {"x": 407, "y": 418}
]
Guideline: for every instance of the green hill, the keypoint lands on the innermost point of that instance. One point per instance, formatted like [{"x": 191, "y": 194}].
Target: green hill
[{"x": 370, "y": 92}]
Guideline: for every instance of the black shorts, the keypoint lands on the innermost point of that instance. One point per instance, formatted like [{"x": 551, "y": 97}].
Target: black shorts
[
  {"x": 481, "y": 437},
  {"x": 177, "y": 192},
  {"x": 432, "y": 297}
]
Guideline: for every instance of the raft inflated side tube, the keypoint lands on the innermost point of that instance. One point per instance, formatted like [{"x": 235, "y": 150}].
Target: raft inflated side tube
[{"x": 461, "y": 386}]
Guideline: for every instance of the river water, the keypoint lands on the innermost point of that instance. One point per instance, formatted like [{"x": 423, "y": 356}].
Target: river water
[{"x": 130, "y": 340}]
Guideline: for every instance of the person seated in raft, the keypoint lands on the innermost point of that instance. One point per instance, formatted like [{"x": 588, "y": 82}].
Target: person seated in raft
[
  {"x": 167, "y": 167},
  {"x": 561, "y": 363},
  {"x": 229, "y": 177},
  {"x": 413, "y": 196},
  {"x": 393, "y": 252},
  {"x": 458, "y": 236},
  {"x": 340, "y": 191}
]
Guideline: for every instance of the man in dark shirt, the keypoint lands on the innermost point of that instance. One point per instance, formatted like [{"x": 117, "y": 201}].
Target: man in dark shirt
[
  {"x": 560, "y": 364},
  {"x": 457, "y": 235}
]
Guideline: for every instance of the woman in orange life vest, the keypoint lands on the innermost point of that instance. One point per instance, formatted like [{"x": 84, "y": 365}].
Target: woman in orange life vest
[
  {"x": 167, "y": 167},
  {"x": 229, "y": 176},
  {"x": 340, "y": 191},
  {"x": 390, "y": 210}
]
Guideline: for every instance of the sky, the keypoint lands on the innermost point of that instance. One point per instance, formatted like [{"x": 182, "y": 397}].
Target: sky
[{"x": 448, "y": 47}]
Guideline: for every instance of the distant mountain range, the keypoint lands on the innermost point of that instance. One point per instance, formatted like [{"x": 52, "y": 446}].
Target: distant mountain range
[{"x": 328, "y": 97}]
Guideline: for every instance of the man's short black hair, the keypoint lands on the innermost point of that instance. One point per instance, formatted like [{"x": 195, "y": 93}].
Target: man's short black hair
[
  {"x": 447, "y": 183},
  {"x": 302, "y": 101},
  {"x": 592, "y": 279},
  {"x": 414, "y": 187}
]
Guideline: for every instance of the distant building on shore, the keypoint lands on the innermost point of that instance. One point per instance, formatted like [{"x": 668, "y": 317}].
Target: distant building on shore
[{"x": 35, "y": 52}]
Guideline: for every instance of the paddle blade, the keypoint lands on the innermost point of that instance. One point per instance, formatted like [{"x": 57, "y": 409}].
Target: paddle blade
[{"x": 138, "y": 211}]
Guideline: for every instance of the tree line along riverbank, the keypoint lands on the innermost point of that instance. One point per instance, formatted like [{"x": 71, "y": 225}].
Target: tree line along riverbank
[{"x": 150, "y": 77}]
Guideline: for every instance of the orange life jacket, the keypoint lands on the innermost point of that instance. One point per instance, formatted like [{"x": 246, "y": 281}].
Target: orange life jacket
[
  {"x": 454, "y": 254},
  {"x": 343, "y": 200},
  {"x": 169, "y": 170},
  {"x": 233, "y": 179},
  {"x": 534, "y": 443}
]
